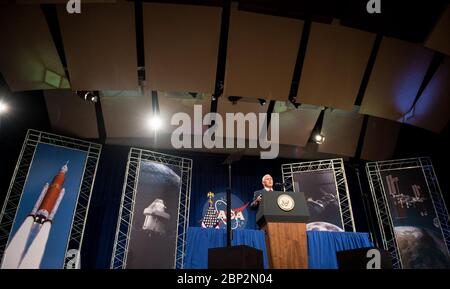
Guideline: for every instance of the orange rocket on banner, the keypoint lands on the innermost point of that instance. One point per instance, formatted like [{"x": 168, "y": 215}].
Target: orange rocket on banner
[{"x": 27, "y": 247}]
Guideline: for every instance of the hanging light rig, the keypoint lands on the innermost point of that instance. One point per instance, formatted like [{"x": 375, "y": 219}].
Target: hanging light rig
[
  {"x": 316, "y": 135},
  {"x": 155, "y": 121}
]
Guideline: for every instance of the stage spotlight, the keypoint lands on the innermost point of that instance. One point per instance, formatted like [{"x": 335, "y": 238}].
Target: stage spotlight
[
  {"x": 154, "y": 122},
  {"x": 88, "y": 95},
  {"x": 319, "y": 138},
  {"x": 262, "y": 101},
  {"x": 3, "y": 107}
]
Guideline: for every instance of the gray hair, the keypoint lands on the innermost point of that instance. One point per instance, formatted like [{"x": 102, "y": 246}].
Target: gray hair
[{"x": 267, "y": 175}]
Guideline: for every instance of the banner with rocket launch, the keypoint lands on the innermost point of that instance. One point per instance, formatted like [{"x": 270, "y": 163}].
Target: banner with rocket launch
[{"x": 40, "y": 232}]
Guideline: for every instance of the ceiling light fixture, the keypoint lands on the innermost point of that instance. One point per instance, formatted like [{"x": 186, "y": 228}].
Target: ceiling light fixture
[
  {"x": 3, "y": 107},
  {"x": 319, "y": 138}
]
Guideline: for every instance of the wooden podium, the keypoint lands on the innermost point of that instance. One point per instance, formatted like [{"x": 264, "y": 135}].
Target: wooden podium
[{"x": 283, "y": 217}]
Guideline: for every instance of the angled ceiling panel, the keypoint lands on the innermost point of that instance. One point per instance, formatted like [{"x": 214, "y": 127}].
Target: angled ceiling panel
[
  {"x": 432, "y": 110},
  {"x": 261, "y": 55},
  {"x": 334, "y": 66},
  {"x": 172, "y": 103},
  {"x": 69, "y": 113},
  {"x": 63, "y": 1},
  {"x": 181, "y": 46},
  {"x": 341, "y": 130},
  {"x": 380, "y": 139},
  {"x": 397, "y": 74},
  {"x": 439, "y": 38},
  {"x": 100, "y": 46},
  {"x": 28, "y": 57},
  {"x": 244, "y": 106},
  {"x": 296, "y": 125},
  {"x": 129, "y": 116}
]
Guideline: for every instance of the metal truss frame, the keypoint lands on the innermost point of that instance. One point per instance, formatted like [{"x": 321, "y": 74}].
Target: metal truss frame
[
  {"x": 20, "y": 176},
  {"x": 379, "y": 196},
  {"x": 337, "y": 166},
  {"x": 124, "y": 223}
]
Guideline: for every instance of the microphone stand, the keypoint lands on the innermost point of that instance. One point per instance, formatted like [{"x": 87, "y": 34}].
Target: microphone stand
[
  {"x": 230, "y": 159},
  {"x": 229, "y": 232},
  {"x": 282, "y": 185}
]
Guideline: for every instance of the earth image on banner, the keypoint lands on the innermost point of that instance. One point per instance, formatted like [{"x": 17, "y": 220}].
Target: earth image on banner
[
  {"x": 239, "y": 215},
  {"x": 421, "y": 248}
]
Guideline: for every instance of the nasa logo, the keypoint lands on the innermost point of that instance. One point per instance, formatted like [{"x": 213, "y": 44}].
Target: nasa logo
[{"x": 238, "y": 211}]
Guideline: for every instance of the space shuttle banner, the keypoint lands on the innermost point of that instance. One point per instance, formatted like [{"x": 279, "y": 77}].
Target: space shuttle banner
[
  {"x": 417, "y": 230},
  {"x": 41, "y": 229},
  {"x": 322, "y": 199},
  {"x": 153, "y": 235}
]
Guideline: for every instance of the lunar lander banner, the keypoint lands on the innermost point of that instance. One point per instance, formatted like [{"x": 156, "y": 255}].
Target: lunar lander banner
[
  {"x": 322, "y": 199},
  {"x": 42, "y": 225},
  {"x": 417, "y": 230},
  {"x": 153, "y": 234}
]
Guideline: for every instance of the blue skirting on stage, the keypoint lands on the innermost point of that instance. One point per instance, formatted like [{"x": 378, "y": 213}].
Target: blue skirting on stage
[{"x": 322, "y": 246}]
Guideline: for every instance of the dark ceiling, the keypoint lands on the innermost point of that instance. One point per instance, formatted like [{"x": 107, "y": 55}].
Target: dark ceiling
[{"x": 407, "y": 20}]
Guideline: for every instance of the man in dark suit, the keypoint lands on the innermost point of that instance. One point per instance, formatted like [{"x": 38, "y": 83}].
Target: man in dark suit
[{"x": 267, "y": 182}]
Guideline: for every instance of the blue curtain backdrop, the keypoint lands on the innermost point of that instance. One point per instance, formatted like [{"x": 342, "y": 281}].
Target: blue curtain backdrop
[
  {"x": 104, "y": 207},
  {"x": 209, "y": 174}
]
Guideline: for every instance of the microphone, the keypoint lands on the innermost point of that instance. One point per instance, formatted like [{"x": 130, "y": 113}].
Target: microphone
[{"x": 280, "y": 184}]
